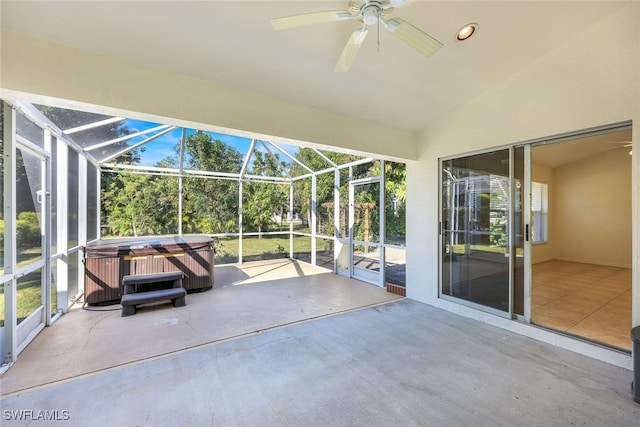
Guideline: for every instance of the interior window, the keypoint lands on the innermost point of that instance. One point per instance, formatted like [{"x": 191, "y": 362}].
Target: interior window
[{"x": 539, "y": 212}]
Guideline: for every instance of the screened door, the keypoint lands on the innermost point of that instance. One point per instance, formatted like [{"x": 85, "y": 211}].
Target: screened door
[
  {"x": 364, "y": 220},
  {"x": 30, "y": 277}
]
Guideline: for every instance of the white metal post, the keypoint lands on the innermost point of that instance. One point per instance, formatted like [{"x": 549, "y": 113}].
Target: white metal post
[
  {"x": 314, "y": 216},
  {"x": 336, "y": 218},
  {"x": 82, "y": 217},
  {"x": 180, "y": 172},
  {"x": 98, "y": 201},
  {"x": 291, "y": 220},
  {"x": 62, "y": 212},
  {"x": 240, "y": 189},
  {"x": 381, "y": 228},
  {"x": 10, "y": 298},
  {"x": 45, "y": 214},
  {"x": 351, "y": 220}
]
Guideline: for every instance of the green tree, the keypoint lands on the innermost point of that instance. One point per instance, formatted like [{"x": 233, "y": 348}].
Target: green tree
[
  {"x": 210, "y": 205},
  {"x": 262, "y": 200},
  {"x": 142, "y": 205},
  {"x": 136, "y": 204}
]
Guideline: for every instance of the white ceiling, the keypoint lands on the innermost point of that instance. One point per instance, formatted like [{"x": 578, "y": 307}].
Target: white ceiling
[{"x": 232, "y": 42}]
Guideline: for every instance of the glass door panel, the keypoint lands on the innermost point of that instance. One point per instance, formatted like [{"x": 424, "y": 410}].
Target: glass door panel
[
  {"x": 475, "y": 216},
  {"x": 365, "y": 220}
]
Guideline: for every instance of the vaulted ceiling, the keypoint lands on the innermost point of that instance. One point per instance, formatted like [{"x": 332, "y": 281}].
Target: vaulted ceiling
[{"x": 233, "y": 43}]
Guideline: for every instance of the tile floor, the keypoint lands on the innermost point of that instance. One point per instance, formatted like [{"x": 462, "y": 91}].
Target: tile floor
[{"x": 586, "y": 300}]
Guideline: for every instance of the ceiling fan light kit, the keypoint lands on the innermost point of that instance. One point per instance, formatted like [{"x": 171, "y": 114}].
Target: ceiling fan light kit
[{"x": 369, "y": 12}]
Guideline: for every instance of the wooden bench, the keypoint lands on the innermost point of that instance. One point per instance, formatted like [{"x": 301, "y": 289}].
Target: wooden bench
[{"x": 132, "y": 297}]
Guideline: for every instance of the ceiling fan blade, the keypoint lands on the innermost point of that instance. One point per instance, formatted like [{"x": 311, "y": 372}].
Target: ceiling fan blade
[
  {"x": 350, "y": 50},
  {"x": 414, "y": 37},
  {"x": 398, "y": 3},
  {"x": 309, "y": 19}
]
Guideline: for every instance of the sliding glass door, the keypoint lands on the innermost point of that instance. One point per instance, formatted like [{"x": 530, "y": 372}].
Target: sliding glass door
[{"x": 482, "y": 230}]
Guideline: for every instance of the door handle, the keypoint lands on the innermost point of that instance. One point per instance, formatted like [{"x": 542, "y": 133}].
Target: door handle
[{"x": 526, "y": 232}]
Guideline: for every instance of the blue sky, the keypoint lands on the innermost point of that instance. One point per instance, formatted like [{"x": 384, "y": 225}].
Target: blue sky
[{"x": 163, "y": 146}]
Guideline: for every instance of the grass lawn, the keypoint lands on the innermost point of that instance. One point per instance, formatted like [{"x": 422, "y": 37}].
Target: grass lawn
[
  {"x": 29, "y": 297},
  {"x": 267, "y": 247}
]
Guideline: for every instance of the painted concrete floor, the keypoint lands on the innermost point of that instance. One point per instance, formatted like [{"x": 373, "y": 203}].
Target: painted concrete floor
[
  {"x": 245, "y": 299},
  {"x": 402, "y": 363}
]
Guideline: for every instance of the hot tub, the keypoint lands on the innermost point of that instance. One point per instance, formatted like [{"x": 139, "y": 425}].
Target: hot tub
[{"x": 107, "y": 261}]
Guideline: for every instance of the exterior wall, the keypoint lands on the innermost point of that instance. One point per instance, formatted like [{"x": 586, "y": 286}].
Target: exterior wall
[
  {"x": 39, "y": 71},
  {"x": 590, "y": 80}
]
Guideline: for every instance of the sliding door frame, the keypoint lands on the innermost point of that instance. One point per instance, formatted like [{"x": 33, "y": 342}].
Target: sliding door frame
[{"x": 526, "y": 188}]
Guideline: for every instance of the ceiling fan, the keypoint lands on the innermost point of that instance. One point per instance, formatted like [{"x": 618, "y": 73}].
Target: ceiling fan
[
  {"x": 369, "y": 12},
  {"x": 620, "y": 144}
]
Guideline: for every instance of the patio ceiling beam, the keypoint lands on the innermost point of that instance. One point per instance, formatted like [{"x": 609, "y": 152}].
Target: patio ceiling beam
[
  {"x": 93, "y": 125},
  {"x": 117, "y": 167},
  {"x": 266, "y": 147},
  {"x": 211, "y": 174},
  {"x": 320, "y": 172},
  {"x": 245, "y": 165},
  {"x": 171, "y": 173},
  {"x": 324, "y": 157},
  {"x": 327, "y": 170},
  {"x": 272, "y": 179},
  {"x": 126, "y": 137},
  {"x": 300, "y": 177},
  {"x": 356, "y": 163},
  {"x": 174, "y": 172},
  {"x": 289, "y": 156},
  {"x": 151, "y": 138}
]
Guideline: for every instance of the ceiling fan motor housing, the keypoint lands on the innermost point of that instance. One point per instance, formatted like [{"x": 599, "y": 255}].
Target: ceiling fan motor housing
[{"x": 371, "y": 13}]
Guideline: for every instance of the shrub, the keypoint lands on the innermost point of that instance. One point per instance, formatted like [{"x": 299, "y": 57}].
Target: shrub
[{"x": 28, "y": 229}]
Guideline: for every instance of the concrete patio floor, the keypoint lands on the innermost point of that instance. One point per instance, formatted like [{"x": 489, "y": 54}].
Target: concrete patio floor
[
  {"x": 402, "y": 363},
  {"x": 395, "y": 363},
  {"x": 245, "y": 299}
]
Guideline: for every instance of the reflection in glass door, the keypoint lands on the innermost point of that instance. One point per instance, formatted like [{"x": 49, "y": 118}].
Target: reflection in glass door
[
  {"x": 477, "y": 217},
  {"x": 364, "y": 220},
  {"x": 30, "y": 243}
]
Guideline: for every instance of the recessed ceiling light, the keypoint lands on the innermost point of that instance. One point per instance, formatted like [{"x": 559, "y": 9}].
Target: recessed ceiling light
[{"x": 466, "y": 31}]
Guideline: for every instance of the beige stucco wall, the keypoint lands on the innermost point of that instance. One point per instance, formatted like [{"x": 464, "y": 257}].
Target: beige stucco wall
[
  {"x": 592, "y": 210},
  {"x": 40, "y": 71},
  {"x": 590, "y": 80}
]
